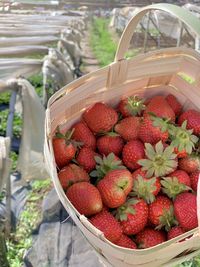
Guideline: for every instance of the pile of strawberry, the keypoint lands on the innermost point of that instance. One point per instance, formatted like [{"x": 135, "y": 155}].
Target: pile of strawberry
[{"x": 133, "y": 170}]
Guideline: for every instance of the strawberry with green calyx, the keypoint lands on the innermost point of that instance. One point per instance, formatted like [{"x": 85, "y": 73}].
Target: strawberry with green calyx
[
  {"x": 193, "y": 120},
  {"x": 83, "y": 134},
  {"x": 106, "y": 164},
  {"x": 100, "y": 117},
  {"x": 194, "y": 178},
  {"x": 128, "y": 128},
  {"x": 190, "y": 163},
  {"x": 131, "y": 106},
  {"x": 86, "y": 158},
  {"x": 107, "y": 223},
  {"x": 177, "y": 182},
  {"x": 159, "y": 106},
  {"x": 64, "y": 147},
  {"x": 160, "y": 161},
  {"x": 133, "y": 216},
  {"x": 185, "y": 209},
  {"x": 145, "y": 188},
  {"x": 182, "y": 139},
  {"x": 71, "y": 174},
  {"x": 131, "y": 153},
  {"x": 149, "y": 238},
  {"x": 111, "y": 142},
  {"x": 174, "y": 232},
  {"x": 150, "y": 133},
  {"x": 115, "y": 187},
  {"x": 161, "y": 213},
  {"x": 85, "y": 197},
  {"x": 126, "y": 242},
  {"x": 174, "y": 104}
]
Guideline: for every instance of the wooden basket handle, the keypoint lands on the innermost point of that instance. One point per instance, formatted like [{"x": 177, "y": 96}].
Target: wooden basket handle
[{"x": 182, "y": 14}]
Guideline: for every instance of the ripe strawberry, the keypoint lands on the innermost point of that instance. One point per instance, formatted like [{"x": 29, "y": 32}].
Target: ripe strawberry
[
  {"x": 86, "y": 158},
  {"x": 126, "y": 242},
  {"x": 180, "y": 154},
  {"x": 131, "y": 106},
  {"x": 71, "y": 174},
  {"x": 83, "y": 134},
  {"x": 131, "y": 153},
  {"x": 128, "y": 128},
  {"x": 174, "y": 104},
  {"x": 100, "y": 118},
  {"x": 185, "y": 209},
  {"x": 155, "y": 105},
  {"x": 133, "y": 216},
  {"x": 110, "y": 143},
  {"x": 145, "y": 188},
  {"x": 85, "y": 197},
  {"x": 189, "y": 164},
  {"x": 193, "y": 120},
  {"x": 115, "y": 187},
  {"x": 64, "y": 148},
  {"x": 161, "y": 213},
  {"x": 174, "y": 232},
  {"x": 194, "y": 178},
  {"x": 149, "y": 133},
  {"x": 107, "y": 223},
  {"x": 150, "y": 238},
  {"x": 177, "y": 182},
  {"x": 106, "y": 164}
]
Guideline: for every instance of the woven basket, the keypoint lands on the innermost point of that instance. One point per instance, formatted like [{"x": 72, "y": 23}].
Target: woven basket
[{"x": 159, "y": 72}]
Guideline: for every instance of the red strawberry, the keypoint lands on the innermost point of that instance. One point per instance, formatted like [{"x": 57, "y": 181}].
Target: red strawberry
[
  {"x": 64, "y": 148},
  {"x": 107, "y": 223},
  {"x": 189, "y": 164},
  {"x": 131, "y": 106},
  {"x": 145, "y": 188},
  {"x": 161, "y": 212},
  {"x": 194, "y": 178},
  {"x": 149, "y": 133},
  {"x": 177, "y": 182},
  {"x": 193, "y": 120},
  {"x": 150, "y": 238},
  {"x": 133, "y": 216},
  {"x": 100, "y": 118},
  {"x": 71, "y": 174},
  {"x": 128, "y": 128},
  {"x": 155, "y": 105},
  {"x": 83, "y": 134},
  {"x": 126, "y": 242},
  {"x": 115, "y": 187},
  {"x": 174, "y": 104},
  {"x": 110, "y": 143},
  {"x": 85, "y": 197},
  {"x": 180, "y": 154},
  {"x": 86, "y": 158},
  {"x": 174, "y": 232},
  {"x": 185, "y": 209},
  {"x": 132, "y": 152}
]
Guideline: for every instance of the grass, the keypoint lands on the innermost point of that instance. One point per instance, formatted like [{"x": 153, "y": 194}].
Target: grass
[
  {"x": 21, "y": 240},
  {"x": 101, "y": 41}
]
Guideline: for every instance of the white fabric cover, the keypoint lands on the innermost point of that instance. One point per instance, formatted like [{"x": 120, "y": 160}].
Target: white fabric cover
[{"x": 5, "y": 162}]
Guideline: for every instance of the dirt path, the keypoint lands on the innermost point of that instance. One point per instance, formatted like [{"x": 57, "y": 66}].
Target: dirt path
[{"x": 90, "y": 63}]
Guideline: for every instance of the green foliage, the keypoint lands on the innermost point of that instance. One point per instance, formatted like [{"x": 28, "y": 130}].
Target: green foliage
[
  {"x": 37, "y": 82},
  {"x": 21, "y": 240},
  {"x": 101, "y": 42},
  {"x": 5, "y": 97},
  {"x": 17, "y": 123}
]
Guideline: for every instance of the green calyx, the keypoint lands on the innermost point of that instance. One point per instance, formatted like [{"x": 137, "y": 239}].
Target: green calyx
[
  {"x": 172, "y": 187},
  {"x": 144, "y": 189},
  {"x": 182, "y": 138},
  {"x": 163, "y": 124},
  {"x": 167, "y": 220},
  {"x": 160, "y": 161},
  {"x": 106, "y": 164},
  {"x": 126, "y": 209},
  {"x": 135, "y": 105},
  {"x": 67, "y": 137}
]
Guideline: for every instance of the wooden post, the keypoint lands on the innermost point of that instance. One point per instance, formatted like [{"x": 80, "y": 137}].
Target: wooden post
[{"x": 3, "y": 250}]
